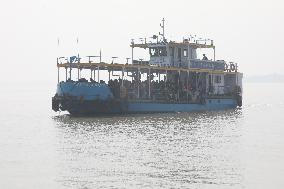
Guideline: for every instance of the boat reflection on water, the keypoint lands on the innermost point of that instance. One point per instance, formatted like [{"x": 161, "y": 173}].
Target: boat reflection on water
[{"x": 154, "y": 150}]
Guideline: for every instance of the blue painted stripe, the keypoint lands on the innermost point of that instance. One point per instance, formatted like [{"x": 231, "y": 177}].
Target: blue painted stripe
[{"x": 212, "y": 104}]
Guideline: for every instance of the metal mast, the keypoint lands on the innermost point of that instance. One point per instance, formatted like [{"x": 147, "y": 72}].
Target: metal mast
[{"x": 163, "y": 27}]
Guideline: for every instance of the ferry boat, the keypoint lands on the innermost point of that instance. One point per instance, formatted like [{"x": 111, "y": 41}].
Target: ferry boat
[{"x": 172, "y": 80}]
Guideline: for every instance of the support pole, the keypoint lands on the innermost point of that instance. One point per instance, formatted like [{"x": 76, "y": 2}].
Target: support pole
[
  {"x": 212, "y": 80},
  {"x": 187, "y": 83},
  {"x": 188, "y": 60},
  {"x": 149, "y": 83},
  {"x": 57, "y": 71},
  {"x": 178, "y": 85},
  {"x": 214, "y": 54},
  {"x": 66, "y": 74},
  {"x": 212, "y": 83},
  {"x": 132, "y": 50},
  {"x": 122, "y": 76},
  {"x": 138, "y": 81},
  {"x": 91, "y": 73},
  {"x": 78, "y": 67},
  {"x": 196, "y": 81},
  {"x": 94, "y": 74},
  {"x": 98, "y": 74},
  {"x": 209, "y": 83},
  {"x": 70, "y": 72},
  {"x": 132, "y": 54},
  {"x": 108, "y": 76},
  {"x": 78, "y": 73},
  {"x": 57, "y": 74},
  {"x": 165, "y": 81},
  {"x": 166, "y": 75}
]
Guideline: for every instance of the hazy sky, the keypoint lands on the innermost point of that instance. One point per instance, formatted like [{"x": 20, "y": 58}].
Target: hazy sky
[{"x": 247, "y": 32}]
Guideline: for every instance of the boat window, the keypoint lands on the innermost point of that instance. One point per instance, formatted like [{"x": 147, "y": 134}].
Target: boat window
[
  {"x": 185, "y": 53},
  {"x": 158, "y": 51},
  {"x": 179, "y": 53},
  {"x": 172, "y": 51},
  {"x": 218, "y": 79}
]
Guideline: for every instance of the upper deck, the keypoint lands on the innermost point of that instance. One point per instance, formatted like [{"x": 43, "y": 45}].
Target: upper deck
[
  {"x": 186, "y": 42},
  {"x": 119, "y": 66},
  {"x": 164, "y": 56},
  {"x": 164, "y": 53}
]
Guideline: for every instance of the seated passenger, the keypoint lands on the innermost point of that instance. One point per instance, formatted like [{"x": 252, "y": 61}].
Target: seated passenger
[
  {"x": 83, "y": 80},
  {"x": 204, "y": 57}
]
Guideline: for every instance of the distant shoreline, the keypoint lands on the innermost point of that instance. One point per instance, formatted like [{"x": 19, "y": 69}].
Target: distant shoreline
[{"x": 271, "y": 78}]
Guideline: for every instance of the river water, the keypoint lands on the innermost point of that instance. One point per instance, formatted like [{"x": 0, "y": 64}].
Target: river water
[{"x": 241, "y": 148}]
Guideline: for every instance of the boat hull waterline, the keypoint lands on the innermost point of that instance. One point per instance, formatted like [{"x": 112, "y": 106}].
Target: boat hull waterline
[{"x": 98, "y": 99}]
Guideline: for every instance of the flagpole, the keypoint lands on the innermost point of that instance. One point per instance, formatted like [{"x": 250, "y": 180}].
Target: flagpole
[
  {"x": 58, "y": 76},
  {"x": 78, "y": 48}
]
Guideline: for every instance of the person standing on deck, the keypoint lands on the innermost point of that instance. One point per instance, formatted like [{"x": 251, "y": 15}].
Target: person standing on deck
[{"x": 204, "y": 57}]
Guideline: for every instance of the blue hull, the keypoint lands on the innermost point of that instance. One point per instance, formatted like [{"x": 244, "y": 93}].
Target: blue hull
[
  {"x": 91, "y": 99},
  {"x": 123, "y": 107}
]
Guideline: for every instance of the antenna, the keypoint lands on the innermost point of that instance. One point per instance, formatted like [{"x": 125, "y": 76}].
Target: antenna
[
  {"x": 58, "y": 42},
  {"x": 78, "y": 58},
  {"x": 77, "y": 42},
  {"x": 163, "y": 27},
  {"x": 100, "y": 55},
  {"x": 58, "y": 48}
]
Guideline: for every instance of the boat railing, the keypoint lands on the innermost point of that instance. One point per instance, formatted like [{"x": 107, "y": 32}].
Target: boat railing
[
  {"x": 214, "y": 65},
  {"x": 197, "y": 64}
]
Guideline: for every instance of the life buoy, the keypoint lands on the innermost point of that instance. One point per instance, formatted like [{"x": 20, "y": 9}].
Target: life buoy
[
  {"x": 226, "y": 66},
  {"x": 232, "y": 67}
]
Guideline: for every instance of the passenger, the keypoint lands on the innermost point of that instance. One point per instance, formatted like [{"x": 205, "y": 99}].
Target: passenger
[
  {"x": 83, "y": 80},
  {"x": 204, "y": 57}
]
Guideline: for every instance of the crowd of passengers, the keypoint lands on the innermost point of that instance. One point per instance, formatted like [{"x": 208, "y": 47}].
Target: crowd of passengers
[
  {"x": 159, "y": 90},
  {"x": 170, "y": 90}
]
